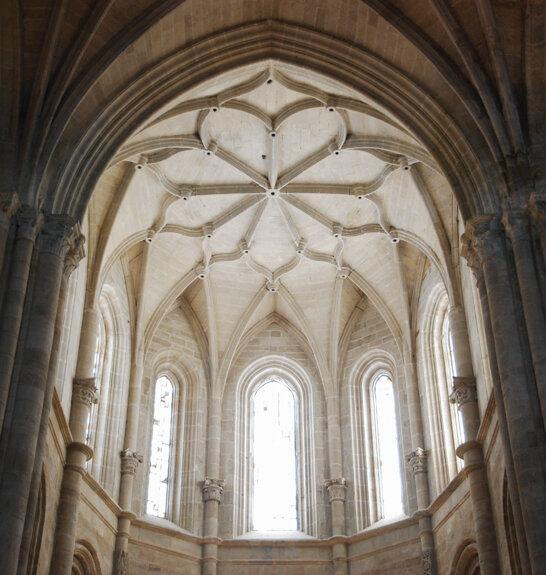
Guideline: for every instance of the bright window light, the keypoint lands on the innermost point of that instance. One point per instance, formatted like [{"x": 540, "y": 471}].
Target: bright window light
[
  {"x": 388, "y": 459},
  {"x": 274, "y": 496},
  {"x": 158, "y": 479}
]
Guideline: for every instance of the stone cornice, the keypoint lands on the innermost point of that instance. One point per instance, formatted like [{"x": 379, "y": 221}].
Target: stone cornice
[{"x": 452, "y": 486}]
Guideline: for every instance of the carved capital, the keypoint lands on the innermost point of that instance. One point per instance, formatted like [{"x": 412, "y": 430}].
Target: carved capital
[
  {"x": 57, "y": 235},
  {"x": 29, "y": 223},
  {"x": 213, "y": 489},
  {"x": 486, "y": 235},
  {"x": 516, "y": 223},
  {"x": 427, "y": 557},
  {"x": 9, "y": 204},
  {"x": 470, "y": 254},
  {"x": 129, "y": 461},
  {"x": 464, "y": 391},
  {"x": 85, "y": 391},
  {"x": 76, "y": 252},
  {"x": 417, "y": 460},
  {"x": 337, "y": 489}
]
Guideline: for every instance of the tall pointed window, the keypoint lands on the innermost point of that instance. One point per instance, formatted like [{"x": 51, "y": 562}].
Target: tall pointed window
[
  {"x": 274, "y": 469},
  {"x": 160, "y": 455},
  {"x": 387, "y": 450},
  {"x": 447, "y": 353}
]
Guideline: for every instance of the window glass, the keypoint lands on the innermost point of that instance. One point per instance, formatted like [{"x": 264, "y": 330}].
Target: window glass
[
  {"x": 388, "y": 457},
  {"x": 274, "y": 495},
  {"x": 160, "y": 453}
]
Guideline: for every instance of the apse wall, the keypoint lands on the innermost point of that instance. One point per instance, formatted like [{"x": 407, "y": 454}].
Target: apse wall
[{"x": 167, "y": 547}]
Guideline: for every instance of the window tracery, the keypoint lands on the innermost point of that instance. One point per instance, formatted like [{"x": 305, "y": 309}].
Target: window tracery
[{"x": 284, "y": 434}]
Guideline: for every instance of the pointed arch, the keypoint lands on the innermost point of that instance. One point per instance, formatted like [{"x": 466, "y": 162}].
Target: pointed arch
[{"x": 469, "y": 166}]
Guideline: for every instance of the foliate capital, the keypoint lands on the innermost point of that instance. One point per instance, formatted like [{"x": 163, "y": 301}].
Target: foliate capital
[
  {"x": 76, "y": 251},
  {"x": 213, "y": 489},
  {"x": 29, "y": 223},
  {"x": 57, "y": 235},
  {"x": 417, "y": 460},
  {"x": 9, "y": 204},
  {"x": 129, "y": 461},
  {"x": 337, "y": 488},
  {"x": 483, "y": 239},
  {"x": 85, "y": 391},
  {"x": 464, "y": 391}
]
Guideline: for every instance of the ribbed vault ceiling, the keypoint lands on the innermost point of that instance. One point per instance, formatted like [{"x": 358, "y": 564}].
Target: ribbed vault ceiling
[{"x": 272, "y": 190}]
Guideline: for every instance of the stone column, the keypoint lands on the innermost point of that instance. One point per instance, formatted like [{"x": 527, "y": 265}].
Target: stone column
[
  {"x": 212, "y": 488},
  {"x": 84, "y": 395},
  {"x": 465, "y": 396},
  {"x": 517, "y": 225},
  {"x": 417, "y": 461},
  {"x": 74, "y": 256},
  {"x": 337, "y": 494},
  {"x": 9, "y": 205},
  {"x": 130, "y": 460},
  {"x": 517, "y": 388},
  {"x": 475, "y": 266},
  {"x": 31, "y": 391},
  {"x": 212, "y": 497},
  {"x": 29, "y": 222}
]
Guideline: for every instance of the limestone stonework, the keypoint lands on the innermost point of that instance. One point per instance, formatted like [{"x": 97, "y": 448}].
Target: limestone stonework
[
  {"x": 213, "y": 489},
  {"x": 200, "y": 198}
]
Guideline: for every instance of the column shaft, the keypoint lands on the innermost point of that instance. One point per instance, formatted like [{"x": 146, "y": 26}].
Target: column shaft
[
  {"x": 40, "y": 449},
  {"x": 212, "y": 488},
  {"x": 418, "y": 461},
  {"x": 523, "y": 417},
  {"x": 464, "y": 394},
  {"x": 130, "y": 459},
  {"x": 336, "y": 487},
  {"x": 503, "y": 426},
  {"x": 212, "y": 497},
  {"x": 14, "y": 299},
  {"x": 518, "y": 228},
  {"x": 31, "y": 390}
]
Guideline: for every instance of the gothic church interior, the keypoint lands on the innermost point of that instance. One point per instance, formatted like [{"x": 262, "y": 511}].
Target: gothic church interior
[{"x": 273, "y": 287}]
